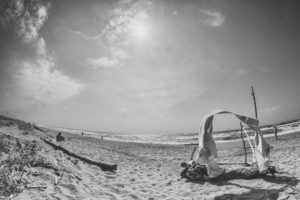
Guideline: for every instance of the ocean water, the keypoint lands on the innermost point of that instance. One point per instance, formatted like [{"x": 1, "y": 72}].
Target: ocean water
[{"x": 181, "y": 138}]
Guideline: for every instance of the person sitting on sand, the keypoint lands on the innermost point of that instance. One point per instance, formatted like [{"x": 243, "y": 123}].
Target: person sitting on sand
[{"x": 59, "y": 137}]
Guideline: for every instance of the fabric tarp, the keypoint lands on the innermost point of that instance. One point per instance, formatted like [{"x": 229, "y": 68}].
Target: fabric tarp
[{"x": 207, "y": 154}]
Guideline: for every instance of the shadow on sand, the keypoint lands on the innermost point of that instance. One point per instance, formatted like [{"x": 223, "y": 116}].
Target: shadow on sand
[
  {"x": 256, "y": 193},
  {"x": 282, "y": 139}
]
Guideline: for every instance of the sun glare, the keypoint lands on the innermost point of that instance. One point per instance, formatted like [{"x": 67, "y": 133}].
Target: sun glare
[
  {"x": 140, "y": 31},
  {"x": 139, "y": 27}
]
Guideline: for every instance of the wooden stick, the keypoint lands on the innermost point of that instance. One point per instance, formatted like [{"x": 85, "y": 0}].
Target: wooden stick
[
  {"x": 103, "y": 166},
  {"x": 192, "y": 156},
  {"x": 244, "y": 144},
  {"x": 252, "y": 149},
  {"x": 249, "y": 140},
  {"x": 253, "y": 95},
  {"x": 38, "y": 128}
]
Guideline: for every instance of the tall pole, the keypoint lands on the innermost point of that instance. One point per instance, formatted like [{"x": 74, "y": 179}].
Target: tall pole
[
  {"x": 244, "y": 144},
  {"x": 255, "y": 108},
  {"x": 253, "y": 95}
]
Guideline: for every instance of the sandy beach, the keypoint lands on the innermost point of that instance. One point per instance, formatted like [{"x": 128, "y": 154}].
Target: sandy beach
[
  {"x": 149, "y": 171},
  {"x": 149, "y": 100}
]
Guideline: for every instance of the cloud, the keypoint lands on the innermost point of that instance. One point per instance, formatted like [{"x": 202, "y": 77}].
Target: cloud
[
  {"x": 83, "y": 35},
  {"x": 118, "y": 53},
  {"x": 215, "y": 18},
  {"x": 37, "y": 79},
  {"x": 126, "y": 18},
  {"x": 120, "y": 21},
  {"x": 25, "y": 17},
  {"x": 115, "y": 58},
  {"x": 41, "y": 83},
  {"x": 104, "y": 62},
  {"x": 40, "y": 47}
]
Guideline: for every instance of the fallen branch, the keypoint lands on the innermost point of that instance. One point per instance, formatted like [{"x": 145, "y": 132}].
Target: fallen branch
[{"x": 103, "y": 166}]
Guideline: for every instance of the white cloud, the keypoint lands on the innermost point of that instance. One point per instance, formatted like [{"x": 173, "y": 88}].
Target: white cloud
[
  {"x": 31, "y": 23},
  {"x": 128, "y": 21},
  {"x": 215, "y": 18},
  {"x": 40, "y": 47},
  {"x": 104, "y": 62},
  {"x": 41, "y": 83},
  {"x": 118, "y": 53},
  {"x": 125, "y": 21},
  {"x": 11, "y": 13},
  {"x": 26, "y": 18},
  {"x": 83, "y": 35},
  {"x": 37, "y": 79}
]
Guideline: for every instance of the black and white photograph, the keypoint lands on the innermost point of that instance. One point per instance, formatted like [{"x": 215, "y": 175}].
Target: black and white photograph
[{"x": 149, "y": 99}]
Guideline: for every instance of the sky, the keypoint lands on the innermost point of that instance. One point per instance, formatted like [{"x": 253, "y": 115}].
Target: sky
[{"x": 148, "y": 66}]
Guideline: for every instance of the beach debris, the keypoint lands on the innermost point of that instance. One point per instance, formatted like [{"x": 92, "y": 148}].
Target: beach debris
[
  {"x": 207, "y": 152},
  {"x": 103, "y": 166},
  {"x": 197, "y": 172},
  {"x": 18, "y": 158}
]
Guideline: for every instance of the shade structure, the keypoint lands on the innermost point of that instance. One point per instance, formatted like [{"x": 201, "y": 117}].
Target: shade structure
[{"x": 207, "y": 153}]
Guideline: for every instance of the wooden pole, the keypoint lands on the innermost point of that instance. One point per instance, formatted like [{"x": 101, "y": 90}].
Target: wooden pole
[
  {"x": 244, "y": 144},
  {"x": 253, "y": 95},
  {"x": 255, "y": 108}
]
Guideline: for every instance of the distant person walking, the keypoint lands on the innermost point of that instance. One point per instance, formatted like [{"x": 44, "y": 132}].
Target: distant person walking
[
  {"x": 82, "y": 133},
  {"x": 275, "y": 132}
]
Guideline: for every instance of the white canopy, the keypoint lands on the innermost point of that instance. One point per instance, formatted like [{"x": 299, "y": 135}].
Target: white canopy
[{"x": 207, "y": 154}]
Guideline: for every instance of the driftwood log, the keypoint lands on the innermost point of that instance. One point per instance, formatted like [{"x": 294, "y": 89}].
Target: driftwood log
[
  {"x": 199, "y": 173},
  {"x": 38, "y": 128},
  {"x": 103, "y": 166}
]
